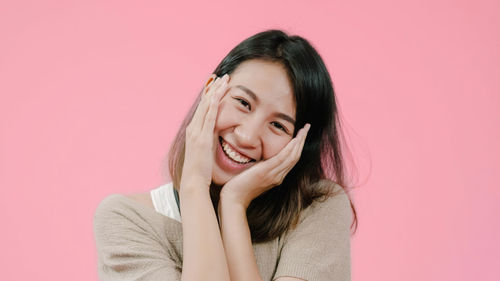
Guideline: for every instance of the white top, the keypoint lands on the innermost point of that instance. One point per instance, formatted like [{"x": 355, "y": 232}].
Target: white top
[{"x": 164, "y": 201}]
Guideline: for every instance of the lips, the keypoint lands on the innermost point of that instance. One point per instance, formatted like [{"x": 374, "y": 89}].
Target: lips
[
  {"x": 233, "y": 153},
  {"x": 227, "y": 166}
]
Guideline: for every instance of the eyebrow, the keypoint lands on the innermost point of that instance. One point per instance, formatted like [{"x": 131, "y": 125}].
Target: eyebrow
[{"x": 256, "y": 99}]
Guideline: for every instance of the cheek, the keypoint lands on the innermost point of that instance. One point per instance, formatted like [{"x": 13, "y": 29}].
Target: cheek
[
  {"x": 226, "y": 116},
  {"x": 221, "y": 116},
  {"x": 274, "y": 144}
]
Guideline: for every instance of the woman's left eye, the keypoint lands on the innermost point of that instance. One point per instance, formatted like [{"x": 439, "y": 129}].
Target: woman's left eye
[{"x": 279, "y": 126}]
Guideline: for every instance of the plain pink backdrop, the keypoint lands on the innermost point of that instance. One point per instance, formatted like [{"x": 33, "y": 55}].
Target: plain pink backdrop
[{"x": 92, "y": 93}]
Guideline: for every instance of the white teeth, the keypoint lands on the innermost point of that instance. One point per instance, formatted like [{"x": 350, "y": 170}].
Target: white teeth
[{"x": 234, "y": 155}]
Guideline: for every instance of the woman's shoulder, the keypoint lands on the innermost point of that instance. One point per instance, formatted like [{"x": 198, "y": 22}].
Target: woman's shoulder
[
  {"x": 332, "y": 192},
  {"x": 125, "y": 206},
  {"x": 329, "y": 188},
  {"x": 118, "y": 200},
  {"x": 111, "y": 202},
  {"x": 122, "y": 224},
  {"x": 142, "y": 198},
  {"x": 322, "y": 237},
  {"x": 126, "y": 215},
  {"x": 335, "y": 204}
]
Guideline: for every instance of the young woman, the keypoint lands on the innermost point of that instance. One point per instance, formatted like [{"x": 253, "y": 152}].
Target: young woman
[{"x": 258, "y": 181}]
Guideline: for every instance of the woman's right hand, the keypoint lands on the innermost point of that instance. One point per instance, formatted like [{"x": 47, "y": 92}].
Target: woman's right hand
[{"x": 198, "y": 157}]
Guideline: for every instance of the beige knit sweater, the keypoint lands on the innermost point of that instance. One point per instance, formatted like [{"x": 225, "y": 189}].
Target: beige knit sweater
[{"x": 134, "y": 242}]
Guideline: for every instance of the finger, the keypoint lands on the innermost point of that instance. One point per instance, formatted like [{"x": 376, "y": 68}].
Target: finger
[
  {"x": 201, "y": 110},
  {"x": 288, "y": 158},
  {"x": 297, "y": 151},
  {"x": 209, "y": 124},
  {"x": 300, "y": 146},
  {"x": 216, "y": 82},
  {"x": 285, "y": 164},
  {"x": 222, "y": 90},
  {"x": 215, "y": 88},
  {"x": 209, "y": 83},
  {"x": 205, "y": 99},
  {"x": 277, "y": 162},
  {"x": 291, "y": 154},
  {"x": 281, "y": 164}
]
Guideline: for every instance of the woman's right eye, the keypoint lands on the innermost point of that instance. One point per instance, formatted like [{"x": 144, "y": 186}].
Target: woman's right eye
[{"x": 243, "y": 102}]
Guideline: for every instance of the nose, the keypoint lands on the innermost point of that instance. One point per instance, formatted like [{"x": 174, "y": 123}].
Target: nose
[{"x": 247, "y": 134}]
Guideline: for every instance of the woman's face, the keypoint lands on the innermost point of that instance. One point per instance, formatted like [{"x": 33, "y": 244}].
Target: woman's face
[{"x": 255, "y": 119}]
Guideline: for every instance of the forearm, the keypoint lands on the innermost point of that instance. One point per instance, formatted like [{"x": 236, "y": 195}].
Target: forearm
[
  {"x": 203, "y": 251},
  {"x": 237, "y": 242}
]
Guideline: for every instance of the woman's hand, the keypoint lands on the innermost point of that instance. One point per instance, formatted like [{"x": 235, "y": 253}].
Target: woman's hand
[
  {"x": 202, "y": 247},
  {"x": 249, "y": 184},
  {"x": 197, "y": 167}
]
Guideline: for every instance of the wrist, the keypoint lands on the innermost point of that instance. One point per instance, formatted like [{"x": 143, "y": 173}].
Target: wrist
[
  {"x": 232, "y": 200},
  {"x": 193, "y": 187},
  {"x": 231, "y": 207}
]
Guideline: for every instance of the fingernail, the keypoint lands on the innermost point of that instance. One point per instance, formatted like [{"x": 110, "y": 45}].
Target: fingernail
[{"x": 209, "y": 80}]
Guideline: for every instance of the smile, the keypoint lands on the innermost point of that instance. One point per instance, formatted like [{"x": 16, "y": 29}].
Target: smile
[{"x": 233, "y": 155}]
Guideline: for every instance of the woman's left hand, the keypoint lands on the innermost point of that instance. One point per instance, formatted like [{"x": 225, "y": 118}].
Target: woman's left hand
[{"x": 250, "y": 183}]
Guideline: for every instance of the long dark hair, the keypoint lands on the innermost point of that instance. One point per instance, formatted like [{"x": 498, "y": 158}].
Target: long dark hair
[{"x": 321, "y": 165}]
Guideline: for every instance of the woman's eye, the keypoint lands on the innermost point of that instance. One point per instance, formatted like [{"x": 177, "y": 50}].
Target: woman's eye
[
  {"x": 279, "y": 126},
  {"x": 243, "y": 102}
]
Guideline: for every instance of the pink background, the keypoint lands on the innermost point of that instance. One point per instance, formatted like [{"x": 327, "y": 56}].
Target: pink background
[{"x": 92, "y": 93}]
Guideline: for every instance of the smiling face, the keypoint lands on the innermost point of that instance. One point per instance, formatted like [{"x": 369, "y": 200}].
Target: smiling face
[{"x": 255, "y": 119}]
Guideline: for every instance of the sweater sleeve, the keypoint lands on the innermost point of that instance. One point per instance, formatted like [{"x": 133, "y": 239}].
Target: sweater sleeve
[
  {"x": 318, "y": 249},
  {"x": 128, "y": 248}
]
